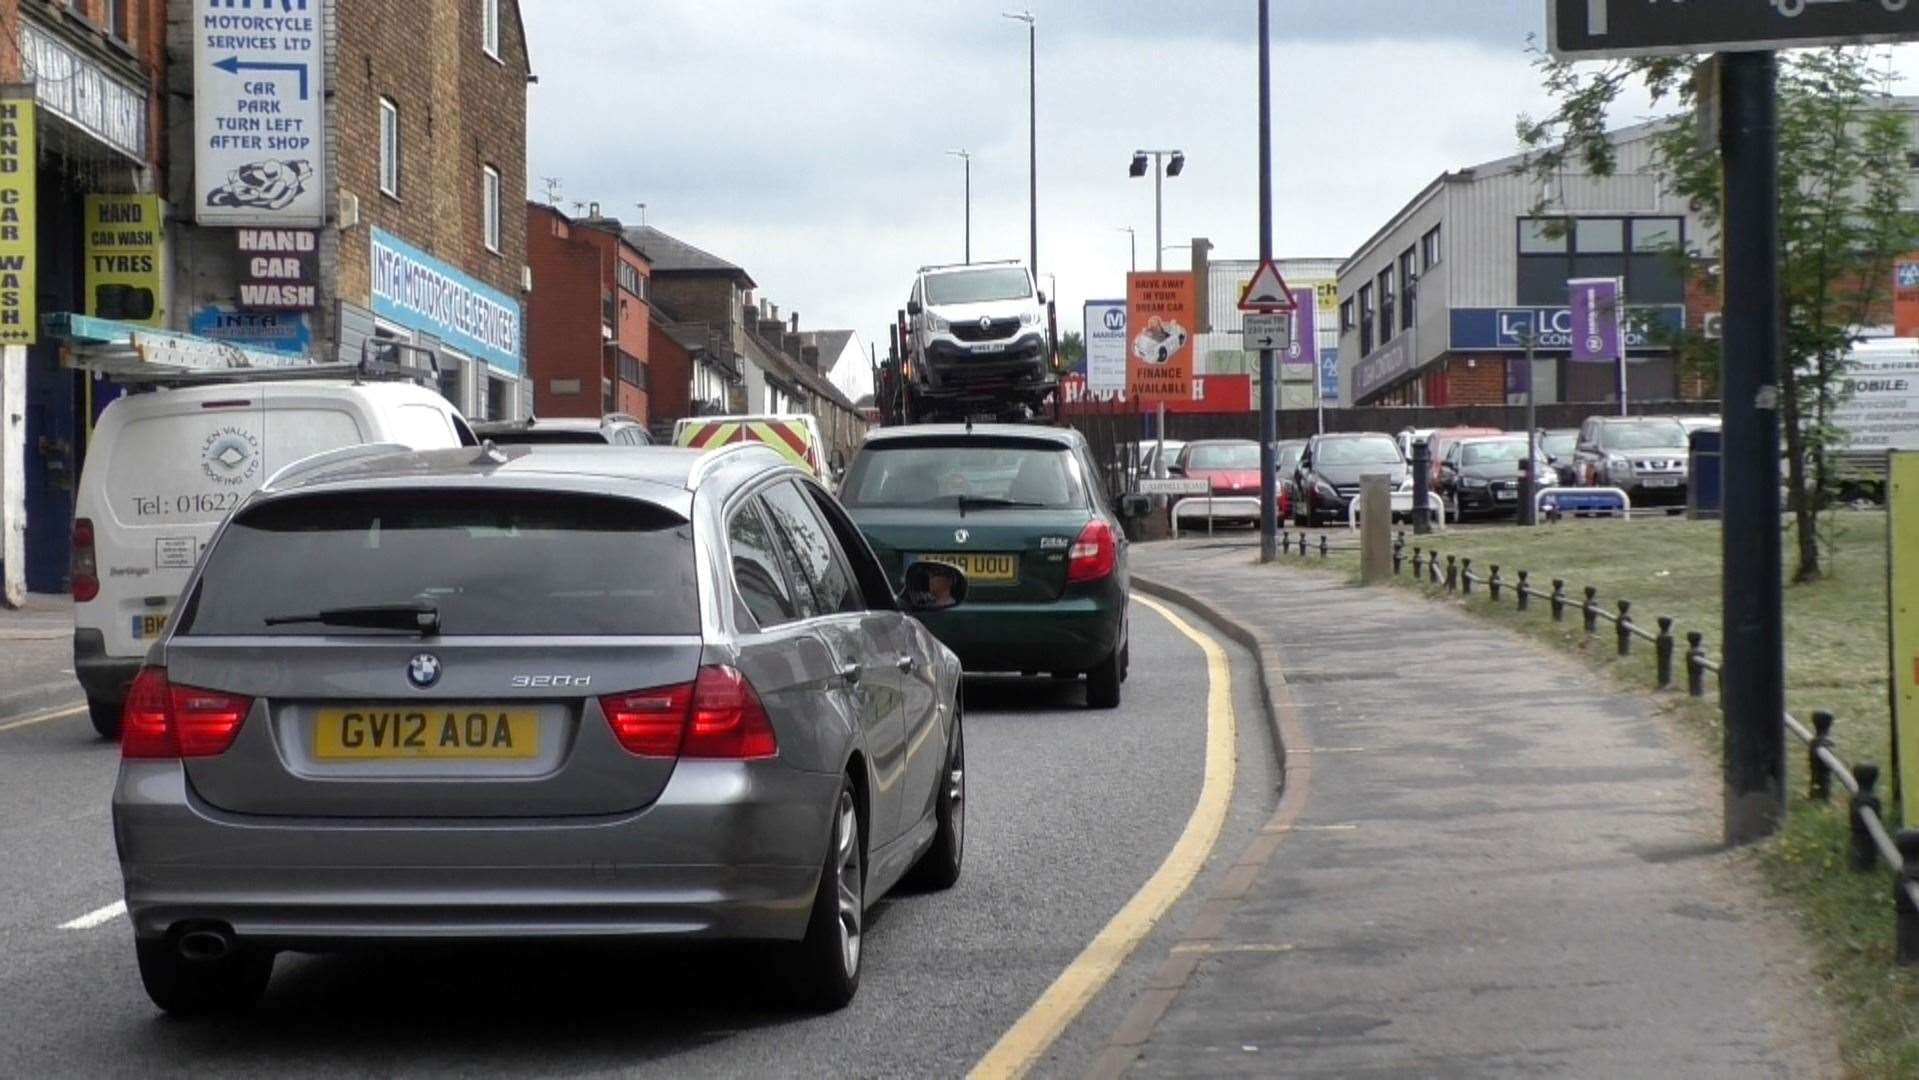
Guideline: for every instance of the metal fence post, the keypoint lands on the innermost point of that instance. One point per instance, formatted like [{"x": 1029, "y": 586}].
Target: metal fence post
[
  {"x": 1492, "y": 584},
  {"x": 1525, "y": 594},
  {"x": 1696, "y": 664},
  {"x": 1590, "y": 610},
  {"x": 1432, "y": 567},
  {"x": 1906, "y": 917},
  {"x": 1452, "y": 573},
  {"x": 1559, "y": 600},
  {"x": 1662, "y": 650},
  {"x": 1624, "y": 627},
  {"x": 1865, "y": 854},
  {"x": 1399, "y": 554},
  {"x": 1466, "y": 576},
  {"x": 1322, "y": 545},
  {"x": 1815, "y": 765},
  {"x": 1419, "y": 565}
]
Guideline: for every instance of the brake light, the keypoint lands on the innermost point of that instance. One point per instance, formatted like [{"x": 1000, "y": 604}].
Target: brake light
[
  {"x": 161, "y": 720},
  {"x": 1094, "y": 555},
  {"x": 649, "y": 723},
  {"x": 86, "y": 566},
  {"x": 718, "y": 715}
]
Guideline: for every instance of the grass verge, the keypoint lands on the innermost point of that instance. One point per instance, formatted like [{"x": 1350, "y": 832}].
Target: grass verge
[{"x": 1836, "y": 660}]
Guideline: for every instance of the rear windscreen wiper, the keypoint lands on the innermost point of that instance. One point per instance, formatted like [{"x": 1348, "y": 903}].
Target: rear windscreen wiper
[
  {"x": 417, "y": 617},
  {"x": 969, "y": 502}
]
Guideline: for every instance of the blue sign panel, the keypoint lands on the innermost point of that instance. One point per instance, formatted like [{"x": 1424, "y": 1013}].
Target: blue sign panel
[
  {"x": 418, "y": 291},
  {"x": 1648, "y": 326},
  {"x": 276, "y": 331},
  {"x": 1329, "y": 373}
]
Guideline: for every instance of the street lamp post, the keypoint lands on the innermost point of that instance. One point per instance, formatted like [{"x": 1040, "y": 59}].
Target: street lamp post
[
  {"x": 1032, "y": 136},
  {"x": 966, "y": 159},
  {"x": 1132, "y": 240}
]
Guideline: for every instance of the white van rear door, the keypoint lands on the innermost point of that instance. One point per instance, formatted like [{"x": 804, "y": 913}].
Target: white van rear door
[
  {"x": 174, "y": 469},
  {"x": 301, "y": 421}
]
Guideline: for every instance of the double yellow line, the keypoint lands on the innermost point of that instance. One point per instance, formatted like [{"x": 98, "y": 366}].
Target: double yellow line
[{"x": 1035, "y": 1032}]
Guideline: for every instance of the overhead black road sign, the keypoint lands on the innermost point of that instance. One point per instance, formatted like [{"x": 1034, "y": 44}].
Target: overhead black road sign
[{"x": 1589, "y": 29}]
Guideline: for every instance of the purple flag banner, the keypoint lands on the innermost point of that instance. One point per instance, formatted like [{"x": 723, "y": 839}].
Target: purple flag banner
[
  {"x": 1304, "y": 350},
  {"x": 1596, "y": 336}
]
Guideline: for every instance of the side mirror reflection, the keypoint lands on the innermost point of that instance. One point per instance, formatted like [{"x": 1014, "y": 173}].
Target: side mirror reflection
[{"x": 932, "y": 586}]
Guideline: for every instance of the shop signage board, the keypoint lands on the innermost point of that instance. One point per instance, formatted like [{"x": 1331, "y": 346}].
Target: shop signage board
[
  {"x": 1303, "y": 348},
  {"x": 418, "y": 291},
  {"x": 75, "y": 87},
  {"x": 1160, "y": 315},
  {"x": 1905, "y": 296},
  {"x": 258, "y": 98},
  {"x": 19, "y": 252},
  {"x": 279, "y": 269},
  {"x": 1105, "y": 338},
  {"x": 1902, "y": 606},
  {"x": 1592, "y": 29},
  {"x": 1329, "y": 375},
  {"x": 276, "y": 331},
  {"x": 1385, "y": 366},
  {"x": 1597, "y": 320},
  {"x": 126, "y": 271},
  {"x": 1648, "y": 326}
]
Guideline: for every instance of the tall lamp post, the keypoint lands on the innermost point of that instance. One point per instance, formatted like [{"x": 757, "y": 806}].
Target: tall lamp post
[
  {"x": 1032, "y": 136},
  {"x": 1132, "y": 240},
  {"x": 966, "y": 159},
  {"x": 1165, "y": 163}
]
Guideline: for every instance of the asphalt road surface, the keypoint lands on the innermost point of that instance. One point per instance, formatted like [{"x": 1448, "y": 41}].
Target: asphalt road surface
[{"x": 1072, "y": 810}]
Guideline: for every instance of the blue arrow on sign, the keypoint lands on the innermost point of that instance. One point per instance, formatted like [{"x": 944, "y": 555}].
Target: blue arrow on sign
[{"x": 235, "y": 65}]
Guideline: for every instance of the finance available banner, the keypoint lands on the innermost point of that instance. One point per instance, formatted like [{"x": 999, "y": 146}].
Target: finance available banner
[{"x": 1161, "y": 313}]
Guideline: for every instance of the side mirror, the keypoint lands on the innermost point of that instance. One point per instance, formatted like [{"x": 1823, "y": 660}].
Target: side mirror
[
  {"x": 1175, "y": 470},
  {"x": 1135, "y": 506},
  {"x": 932, "y": 586},
  {"x": 1042, "y": 297},
  {"x": 913, "y": 307}
]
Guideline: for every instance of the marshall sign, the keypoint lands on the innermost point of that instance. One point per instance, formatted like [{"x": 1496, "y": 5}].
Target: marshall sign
[{"x": 1584, "y": 29}]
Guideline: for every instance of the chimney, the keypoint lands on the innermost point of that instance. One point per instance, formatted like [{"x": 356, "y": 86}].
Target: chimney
[
  {"x": 769, "y": 331},
  {"x": 810, "y": 356},
  {"x": 796, "y": 322},
  {"x": 592, "y": 210},
  {"x": 790, "y": 344}
]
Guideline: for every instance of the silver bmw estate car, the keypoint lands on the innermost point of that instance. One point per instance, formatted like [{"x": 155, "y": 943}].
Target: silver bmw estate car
[{"x": 506, "y": 694}]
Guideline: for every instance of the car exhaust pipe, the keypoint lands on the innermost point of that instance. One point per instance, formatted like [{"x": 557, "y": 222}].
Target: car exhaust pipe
[{"x": 205, "y": 945}]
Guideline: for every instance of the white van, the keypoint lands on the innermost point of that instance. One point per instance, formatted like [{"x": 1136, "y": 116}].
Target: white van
[{"x": 165, "y": 467}]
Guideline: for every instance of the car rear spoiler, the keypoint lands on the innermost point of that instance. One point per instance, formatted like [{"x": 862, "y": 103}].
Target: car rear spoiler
[{"x": 326, "y": 458}]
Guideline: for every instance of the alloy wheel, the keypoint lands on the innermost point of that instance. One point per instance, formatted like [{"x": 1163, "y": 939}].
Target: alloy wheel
[{"x": 852, "y": 885}]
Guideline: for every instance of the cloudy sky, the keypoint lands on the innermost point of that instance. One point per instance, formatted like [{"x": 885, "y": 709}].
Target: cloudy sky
[{"x": 805, "y": 139}]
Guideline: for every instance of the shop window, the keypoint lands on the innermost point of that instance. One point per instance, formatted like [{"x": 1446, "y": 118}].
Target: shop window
[{"x": 497, "y": 390}]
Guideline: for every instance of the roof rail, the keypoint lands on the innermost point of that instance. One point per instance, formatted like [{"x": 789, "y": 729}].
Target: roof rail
[
  {"x": 365, "y": 371},
  {"x": 723, "y": 455},
  {"x": 339, "y": 456}
]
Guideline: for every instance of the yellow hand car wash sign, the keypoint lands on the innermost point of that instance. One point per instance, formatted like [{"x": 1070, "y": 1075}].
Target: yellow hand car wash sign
[{"x": 19, "y": 158}]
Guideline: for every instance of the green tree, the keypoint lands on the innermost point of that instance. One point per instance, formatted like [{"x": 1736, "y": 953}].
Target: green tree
[
  {"x": 1072, "y": 348},
  {"x": 1843, "y": 175}
]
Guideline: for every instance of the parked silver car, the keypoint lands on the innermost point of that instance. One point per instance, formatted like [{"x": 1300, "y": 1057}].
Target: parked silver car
[{"x": 572, "y": 693}]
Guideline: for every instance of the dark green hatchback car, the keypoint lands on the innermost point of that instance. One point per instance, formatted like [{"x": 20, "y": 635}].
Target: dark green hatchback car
[{"x": 1019, "y": 509}]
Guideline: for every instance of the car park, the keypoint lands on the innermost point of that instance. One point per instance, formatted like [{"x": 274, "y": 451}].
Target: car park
[
  {"x": 579, "y": 694},
  {"x": 167, "y": 465},
  {"x": 615, "y": 429},
  {"x": 1481, "y": 475},
  {"x": 1561, "y": 445},
  {"x": 1019, "y": 509},
  {"x": 1330, "y": 467},
  {"x": 1231, "y": 469},
  {"x": 1644, "y": 456}
]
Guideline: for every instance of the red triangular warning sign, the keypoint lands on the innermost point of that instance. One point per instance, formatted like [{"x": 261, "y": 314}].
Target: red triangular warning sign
[{"x": 1267, "y": 291}]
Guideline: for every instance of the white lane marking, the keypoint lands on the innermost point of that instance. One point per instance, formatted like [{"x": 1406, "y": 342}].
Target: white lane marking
[
  {"x": 41, "y": 718},
  {"x": 97, "y": 917}
]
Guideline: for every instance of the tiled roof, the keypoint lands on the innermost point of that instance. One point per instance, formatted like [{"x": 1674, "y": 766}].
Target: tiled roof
[{"x": 669, "y": 255}]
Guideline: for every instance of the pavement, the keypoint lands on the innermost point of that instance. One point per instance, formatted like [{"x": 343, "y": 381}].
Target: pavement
[
  {"x": 1487, "y": 861},
  {"x": 36, "y": 655}
]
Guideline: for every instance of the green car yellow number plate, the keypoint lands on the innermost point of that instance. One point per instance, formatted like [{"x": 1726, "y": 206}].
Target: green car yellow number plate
[
  {"x": 379, "y": 732},
  {"x": 980, "y": 568}
]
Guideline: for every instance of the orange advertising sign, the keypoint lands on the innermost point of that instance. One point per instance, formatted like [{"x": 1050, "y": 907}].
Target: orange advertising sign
[
  {"x": 1905, "y": 295},
  {"x": 1160, "y": 316}
]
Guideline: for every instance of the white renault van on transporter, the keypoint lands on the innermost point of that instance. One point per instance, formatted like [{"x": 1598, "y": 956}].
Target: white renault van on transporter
[{"x": 165, "y": 467}]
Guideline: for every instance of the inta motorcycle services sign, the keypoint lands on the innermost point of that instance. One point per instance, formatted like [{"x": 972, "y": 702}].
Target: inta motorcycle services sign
[{"x": 258, "y": 155}]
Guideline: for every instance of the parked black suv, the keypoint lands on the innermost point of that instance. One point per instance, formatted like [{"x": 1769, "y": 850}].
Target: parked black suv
[{"x": 1327, "y": 479}]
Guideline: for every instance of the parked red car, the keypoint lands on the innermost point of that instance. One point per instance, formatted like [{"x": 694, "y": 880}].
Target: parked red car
[{"x": 1231, "y": 466}]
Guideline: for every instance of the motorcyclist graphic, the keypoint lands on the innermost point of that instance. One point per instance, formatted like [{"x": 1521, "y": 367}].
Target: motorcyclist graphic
[{"x": 263, "y": 185}]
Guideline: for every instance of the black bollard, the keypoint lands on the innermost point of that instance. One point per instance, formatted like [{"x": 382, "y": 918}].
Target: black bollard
[
  {"x": 1559, "y": 600},
  {"x": 1865, "y": 854},
  {"x": 1816, "y": 766},
  {"x": 1662, "y": 649},
  {"x": 1492, "y": 584},
  {"x": 1624, "y": 627},
  {"x": 1466, "y": 576},
  {"x": 1590, "y": 610},
  {"x": 1696, "y": 664},
  {"x": 1525, "y": 592},
  {"x": 1905, "y": 912}
]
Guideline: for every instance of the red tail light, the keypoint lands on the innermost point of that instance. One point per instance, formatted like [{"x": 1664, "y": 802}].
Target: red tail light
[
  {"x": 718, "y": 715},
  {"x": 162, "y": 720},
  {"x": 1094, "y": 555},
  {"x": 86, "y": 567}
]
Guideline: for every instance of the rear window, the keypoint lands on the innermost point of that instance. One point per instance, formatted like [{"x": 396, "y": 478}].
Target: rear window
[
  {"x": 490, "y": 562},
  {"x": 941, "y": 473},
  {"x": 1645, "y": 435},
  {"x": 546, "y": 438},
  {"x": 1560, "y": 444},
  {"x": 1224, "y": 456},
  {"x": 1375, "y": 450}
]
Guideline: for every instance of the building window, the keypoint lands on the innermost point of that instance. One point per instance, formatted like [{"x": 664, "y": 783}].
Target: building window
[
  {"x": 1647, "y": 252},
  {"x": 1408, "y": 277},
  {"x": 490, "y": 27},
  {"x": 1386, "y": 305},
  {"x": 1365, "y": 319},
  {"x": 1543, "y": 236},
  {"x": 1346, "y": 317},
  {"x": 1650, "y": 236},
  {"x": 389, "y": 147},
  {"x": 490, "y": 207},
  {"x": 114, "y": 13},
  {"x": 1429, "y": 248},
  {"x": 497, "y": 390},
  {"x": 1600, "y": 236},
  {"x": 631, "y": 280}
]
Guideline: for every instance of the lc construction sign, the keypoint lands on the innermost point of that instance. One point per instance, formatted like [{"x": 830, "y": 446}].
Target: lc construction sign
[{"x": 258, "y": 155}]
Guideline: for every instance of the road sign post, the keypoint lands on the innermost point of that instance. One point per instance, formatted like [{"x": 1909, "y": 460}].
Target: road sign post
[
  {"x": 1261, "y": 287},
  {"x": 1582, "y": 29}
]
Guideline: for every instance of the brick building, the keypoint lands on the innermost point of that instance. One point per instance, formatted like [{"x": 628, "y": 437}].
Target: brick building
[
  {"x": 83, "y": 110},
  {"x": 422, "y": 237},
  {"x": 588, "y": 321}
]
